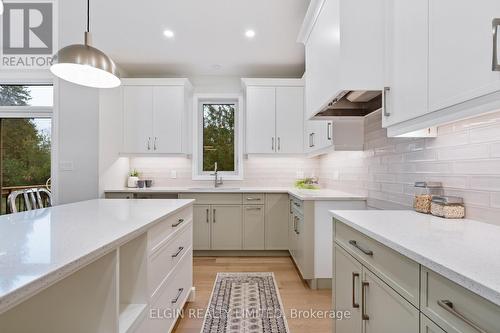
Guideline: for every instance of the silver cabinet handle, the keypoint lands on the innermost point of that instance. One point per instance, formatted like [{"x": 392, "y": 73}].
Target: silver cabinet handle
[
  {"x": 154, "y": 143},
  {"x": 295, "y": 224},
  {"x": 310, "y": 140},
  {"x": 448, "y": 306},
  {"x": 253, "y": 199},
  {"x": 354, "y": 277},
  {"x": 364, "y": 285},
  {"x": 178, "y": 223},
  {"x": 253, "y": 208},
  {"x": 214, "y": 216},
  {"x": 208, "y": 213},
  {"x": 496, "y": 25},
  {"x": 149, "y": 143},
  {"x": 279, "y": 143},
  {"x": 386, "y": 112},
  {"x": 356, "y": 245},
  {"x": 179, "y": 293},
  {"x": 313, "y": 135},
  {"x": 272, "y": 144},
  {"x": 178, "y": 252},
  {"x": 329, "y": 131}
]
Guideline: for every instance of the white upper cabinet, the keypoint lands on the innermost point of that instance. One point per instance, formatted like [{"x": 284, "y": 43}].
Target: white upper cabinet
[
  {"x": 137, "y": 119},
  {"x": 155, "y": 116},
  {"x": 406, "y": 60},
  {"x": 344, "y": 42},
  {"x": 289, "y": 123},
  {"x": 261, "y": 120},
  {"x": 274, "y": 116},
  {"x": 461, "y": 51}
]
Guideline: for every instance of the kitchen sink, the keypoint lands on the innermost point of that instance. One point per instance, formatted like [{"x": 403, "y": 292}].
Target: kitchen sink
[{"x": 210, "y": 189}]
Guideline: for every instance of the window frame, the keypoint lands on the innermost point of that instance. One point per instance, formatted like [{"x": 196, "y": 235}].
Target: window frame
[{"x": 197, "y": 165}]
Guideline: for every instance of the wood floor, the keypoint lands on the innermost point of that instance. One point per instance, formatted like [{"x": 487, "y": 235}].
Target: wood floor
[{"x": 294, "y": 292}]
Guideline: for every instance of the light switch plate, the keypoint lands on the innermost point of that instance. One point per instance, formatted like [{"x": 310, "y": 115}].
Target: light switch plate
[
  {"x": 66, "y": 166},
  {"x": 173, "y": 174}
]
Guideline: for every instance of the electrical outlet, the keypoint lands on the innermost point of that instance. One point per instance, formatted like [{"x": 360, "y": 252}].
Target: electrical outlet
[
  {"x": 66, "y": 166},
  {"x": 173, "y": 174}
]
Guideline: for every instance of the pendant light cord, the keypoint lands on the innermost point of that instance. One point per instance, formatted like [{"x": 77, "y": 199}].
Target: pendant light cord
[{"x": 88, "y": 15}]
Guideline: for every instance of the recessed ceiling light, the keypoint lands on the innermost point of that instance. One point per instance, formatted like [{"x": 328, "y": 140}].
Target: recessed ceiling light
[
  {"x": 250, "y": 33},
  {"x": 169, "y": 33}
]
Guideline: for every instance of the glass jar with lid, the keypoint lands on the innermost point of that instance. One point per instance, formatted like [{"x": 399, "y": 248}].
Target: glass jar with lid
[
  {"x": 448, "y": 207},
  {"x": 424, "y": 191}
]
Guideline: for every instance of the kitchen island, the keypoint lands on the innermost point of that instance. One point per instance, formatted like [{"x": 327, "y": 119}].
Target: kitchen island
[{"x": 95, "y": 266}]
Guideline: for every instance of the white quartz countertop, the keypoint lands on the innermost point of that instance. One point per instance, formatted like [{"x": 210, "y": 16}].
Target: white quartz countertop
[
  {"x": 317, "y": 195},
  {"x": 464, "y": 251},
  {"x": 40, "y": 247}
]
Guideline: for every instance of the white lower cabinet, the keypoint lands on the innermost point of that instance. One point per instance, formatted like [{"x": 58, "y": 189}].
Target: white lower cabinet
[
  {"x": 227, "y": 227},
  {"x": 253, "y": 227}
]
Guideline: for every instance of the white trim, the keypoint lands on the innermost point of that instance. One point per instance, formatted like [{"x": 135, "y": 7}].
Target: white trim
[
  {"x": 157, "y": 82},
  {"x": 197, "y": 99},
  {"x": 298, "y": 82},
  {"x": 310, "y": 18}
]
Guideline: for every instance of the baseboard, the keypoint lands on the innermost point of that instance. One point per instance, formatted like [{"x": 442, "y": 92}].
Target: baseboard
[{"x": 241, "y": 253}]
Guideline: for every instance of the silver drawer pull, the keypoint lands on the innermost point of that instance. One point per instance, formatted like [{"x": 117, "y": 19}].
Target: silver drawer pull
[
  {"x": 178, "y": 252},
  {"x": 365, "y": 251},
  {"x": 296, "y": 204},
  {"x": 496, "y": 27},
  {"x": 387, "y": 113},
  {"x": 253, "y": 199},
  {"x": 178, "y": 222},
  {"x": 253, "y": 208},
  {"x": 179, "y": 293},
  {"x": 448, "y": 306},
  {"x": 364, "y": 285}
]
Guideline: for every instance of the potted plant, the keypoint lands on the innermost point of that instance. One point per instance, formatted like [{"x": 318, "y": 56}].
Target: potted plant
[{"x": 133, "y": 178}]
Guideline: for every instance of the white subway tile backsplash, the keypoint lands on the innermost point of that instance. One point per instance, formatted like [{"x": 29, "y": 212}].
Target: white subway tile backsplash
[
  {"x": 467, "y": 152},
  {"x": 481, "y": 167},
  {"x": 485, "y": 134},
  {"x": 423, "y": 155}
]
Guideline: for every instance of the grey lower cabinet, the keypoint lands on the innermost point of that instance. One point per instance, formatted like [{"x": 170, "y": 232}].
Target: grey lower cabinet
[
  {"x": 428, "y": 326},
  {"x": 202, "y": 220},
  {"x": 277, "y": 206},
  {"x": 253, "y": 227},
  {"x": 374, "y": 307},
  {"x": 227, "y": 226}
]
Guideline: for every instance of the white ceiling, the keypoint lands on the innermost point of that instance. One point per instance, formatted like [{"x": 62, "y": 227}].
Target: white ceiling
[{"x": 208, "y": 34}]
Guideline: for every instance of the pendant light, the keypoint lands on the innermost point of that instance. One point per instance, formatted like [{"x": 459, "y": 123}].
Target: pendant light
[
  {"x": 1, "y": 7},
  {"x": 85, "y": 65}
]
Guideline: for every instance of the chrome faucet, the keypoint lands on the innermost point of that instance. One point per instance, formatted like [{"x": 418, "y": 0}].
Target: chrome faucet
[{"x": 217, "y": 181}]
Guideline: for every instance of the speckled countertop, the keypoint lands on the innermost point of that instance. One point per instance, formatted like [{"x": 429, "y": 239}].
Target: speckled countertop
[
  {"x": 464, "y": 251},
  {"x": 40, "y": 247},
  {"x": 307, "y": 195}
]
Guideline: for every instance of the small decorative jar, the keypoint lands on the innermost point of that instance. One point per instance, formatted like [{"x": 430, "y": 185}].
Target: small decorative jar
[
  {"x": 132, "y": 181},
  {"x": 448, "y": 207},
  {"x": 423, "y": 195}
]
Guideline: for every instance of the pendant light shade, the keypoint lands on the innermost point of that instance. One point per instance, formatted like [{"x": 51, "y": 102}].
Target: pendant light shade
[
  {"x": 84, "y": 64},
  {"x": 1, "y": 7}
]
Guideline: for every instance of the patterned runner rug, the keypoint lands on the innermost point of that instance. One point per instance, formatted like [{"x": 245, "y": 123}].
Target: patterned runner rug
[{"x": 245, "y": 303}]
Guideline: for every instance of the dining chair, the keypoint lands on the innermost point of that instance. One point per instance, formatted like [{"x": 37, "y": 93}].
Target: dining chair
[{"x": 31, "y": 198}]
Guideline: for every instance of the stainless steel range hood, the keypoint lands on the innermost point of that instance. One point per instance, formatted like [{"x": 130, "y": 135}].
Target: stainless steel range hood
[{"x": 353, "y": 103}]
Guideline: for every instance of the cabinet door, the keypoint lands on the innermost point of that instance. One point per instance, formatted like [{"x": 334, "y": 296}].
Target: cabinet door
[
  {"x": 253, "y": 227},
  {"x": 460, "y": 51},
  {"x": 227, "y": 227},
  {"x": 292, "y": 235},
  {"x": 168, "y": 109},
  {"x": 428, "y": 326},
  {"x": 289, "y": 120},
  {"x": 347, "y": 291},
  {"x": 201, "y": 227},
  {"x": 323, "y": 58},
  {"x": 406, "y": 60},
  {"x": 277, "y": 216},
  {"x": 261, "y": 120},
  {"x": 137, "y": 119},
  {"x": 387, "y": 311}
]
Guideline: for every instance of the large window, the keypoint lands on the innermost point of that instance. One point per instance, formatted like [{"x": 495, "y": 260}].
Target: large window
[
  {"x": 25, "y": 138},
  {"x": 218, "y": 138}
]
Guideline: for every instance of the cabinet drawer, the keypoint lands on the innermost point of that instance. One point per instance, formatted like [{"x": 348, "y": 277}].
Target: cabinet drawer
[
  {"x": 214, "y": 198},
  {"x": 171, "y": 297},
  {"x": 253, "y": 198},
  {"x": 298, "y": 205},
  {"x": 166, "y": 257},
  {"x": 161, "y": 232},
  {"x": 456, "y": 309},
  {"x": 401, "y": 273}
]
